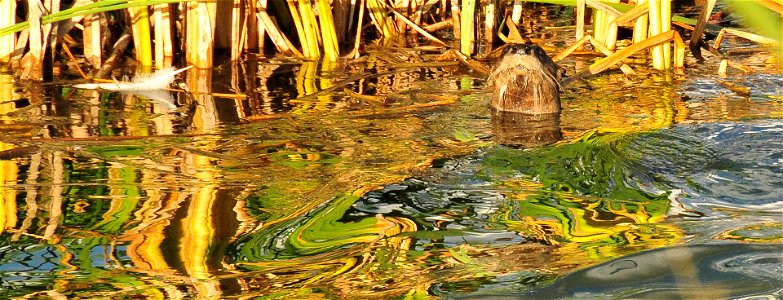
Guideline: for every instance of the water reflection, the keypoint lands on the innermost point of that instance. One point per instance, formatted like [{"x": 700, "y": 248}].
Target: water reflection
[
  {"x": 697, "y": 271},
  {"x": 295, "y": 180},
  {"x": 523, "y": 130}
]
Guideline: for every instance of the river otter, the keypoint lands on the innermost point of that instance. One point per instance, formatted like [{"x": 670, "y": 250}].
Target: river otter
[{"x": 526, "y": 81}]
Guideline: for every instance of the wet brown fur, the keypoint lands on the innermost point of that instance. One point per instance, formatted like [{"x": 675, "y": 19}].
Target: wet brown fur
[{"x": 526, "y": 81}]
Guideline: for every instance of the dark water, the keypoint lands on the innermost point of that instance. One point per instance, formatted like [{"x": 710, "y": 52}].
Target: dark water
[
  {"x": 366, "y": 180},
  {"x": 701, "y": 187}
]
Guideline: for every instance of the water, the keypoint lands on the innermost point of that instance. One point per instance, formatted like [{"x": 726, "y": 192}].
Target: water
[{"x": 313, "y": 180}]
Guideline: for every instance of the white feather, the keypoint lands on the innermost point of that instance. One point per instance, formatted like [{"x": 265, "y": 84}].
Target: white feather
[{"x": 159, "y": 80}]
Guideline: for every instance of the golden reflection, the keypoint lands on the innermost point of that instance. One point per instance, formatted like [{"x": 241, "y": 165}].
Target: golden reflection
[
  {"x": 8, "y": 177},
  {"x": 616, "y": 103},
  {"x": 591, "y": 230},
  {"x": 55, "y": 193},
  {"x": 199, "y": 81},
  {"x": 314, "y": 77}
]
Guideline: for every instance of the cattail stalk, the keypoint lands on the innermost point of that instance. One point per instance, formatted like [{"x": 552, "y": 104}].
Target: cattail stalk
[
  {"x": 32, "y": 62},
  {"x": 467, "y": 38},
  {"x": 455, "y": 17},
  {"x": 311, "y": 32},
  {"x": 164, "y": 48},
  {"x": 200, "y": 33},
  {"x": 599, "y": 30},
  {"x": 666, "y": 24},
  {"x": 401, "y": 6},
  {"x": 378, "y": 16},
  {"x": 516, "y": 12},
  {"x": 328, "y": 34},
  {"x": 580, "y": 19},
  {"x": 236, "y": 29},
  {"x": 92, "y": 40},
  {"x": 140, "y": 28},
  {"x": 611, "y": 29},
  {"x": 489, "y": 25},
  {"x": 640, "y": 27},
  {"x": 656, "y": 29}
]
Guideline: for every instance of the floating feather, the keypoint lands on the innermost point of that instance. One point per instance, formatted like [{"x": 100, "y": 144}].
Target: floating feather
[{"x": 159, "y": 80}]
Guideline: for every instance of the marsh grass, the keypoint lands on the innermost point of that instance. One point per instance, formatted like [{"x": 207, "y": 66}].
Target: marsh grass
[{"x": 317, "y": 29}]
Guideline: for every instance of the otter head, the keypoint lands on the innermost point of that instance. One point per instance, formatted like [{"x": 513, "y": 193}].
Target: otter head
[{"x": 526, "y": 81}]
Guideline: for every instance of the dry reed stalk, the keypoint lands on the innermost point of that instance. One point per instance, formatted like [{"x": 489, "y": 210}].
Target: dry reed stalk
[
  {"x": 401, "y": 7},
  {"x": 598, "y": 25},
  {"x": 328, "y": 34},
  {"x": 467, "y": 28},
  {"x": 437, "y": 26},
  {"x": 116, "y": 54},
  {"x": 666, "y": 25},
  {"x": 417, "y": 7},
  {"x": 419, "y": 29},
  {"x": 514, "y": 36},
  {"x": 354, "y": 54},
  {"x": 604, "y": 29},
  {"x": 580, "y": 19},
  {"x": 237, "y": 18},
  {"x": 70, "y": 55},
  {"x": 300, "y": 31},
  {"x": 490, "y": 15},
  {"x": 50, "y": 31},
  {"x": 656, "y": 29},
  {"x": 516, "y": 12},
  {"x": 577, "y": 45},
  {"x": 199, "y": 38},
  {"x": 679, "y": 53},
  {"x": 140, "y": 27},
  {"x": 701, "y": 24},
  {"x": 351, "y": 13},
  {"x": 378, "y": 16},
  {"x": 32, "y": 62},
  {"x": 455, "y": 18},
  {"x": 608, "y": 52},
  {"x": 163, "y": 12},
  {"x": 7, "y": 18},
  {"x": 257, "y": 31},
  {"x": 251, "y": 25},
  {"x": 92, "y": 40},
  {"x": 640, "y": 10},
  {"x": 611, "y": 30},
  {"x": 281, "y": 42},
  {"x": 311, "y": 30},
  {"x": 618, "y": 56},
  {"x": 746, "y": 35}
]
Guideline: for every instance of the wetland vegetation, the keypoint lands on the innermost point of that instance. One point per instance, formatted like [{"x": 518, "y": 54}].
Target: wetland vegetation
[{"x": 303, "y": 158}]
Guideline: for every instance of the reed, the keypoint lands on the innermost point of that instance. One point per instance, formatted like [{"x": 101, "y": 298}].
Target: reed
[
  {"x": 200, "y": 35},
  {"x": 656, "y": 28},
  {"x": 467, "y": 36},
  {"x": 328, "y": 33},
  {"x": 311, "y": 30},
  {"x": 140, "y": 28},
  {"x": 320, "y": 35},
  {"x": 641, "y": 24},
  {"x": 164, "y": 48},
  {"x": 92, "y": 40},
  {"x": 666, "y": 24},
  {"x": 377, "y": 10},
  {"x": 490, "y": 18}
]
